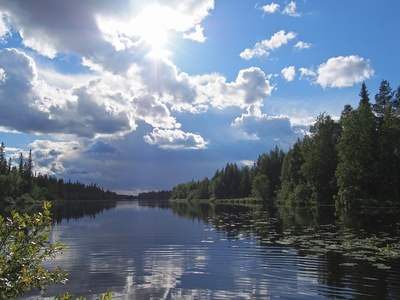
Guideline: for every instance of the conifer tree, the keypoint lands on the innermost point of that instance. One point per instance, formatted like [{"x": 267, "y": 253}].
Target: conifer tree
[
  {"x": 293, "y": 189},
  {"x": 356, "y": 176},
  {"x": 396, "y": 100},
  {"x": 383, "y": 98},
  {"x": 320, "y": 155},
  {"x": 364, "y": 94},
  {"x": 3, "y": 160}
]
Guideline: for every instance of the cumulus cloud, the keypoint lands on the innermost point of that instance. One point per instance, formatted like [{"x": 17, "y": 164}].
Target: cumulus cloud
[
  {"x": 248, "y": 91},
  {"x": 196, "y": 35},
  {"x": 126, "y": 86},
  {"x": 4, "y": 28},
  {"x": 264, "y": 47},
  {"x": 103, "y": 33},
  {"x": 175, "y": 139},
  {"x": 307, "y": 73},
  {"x": 290, "y": 10},
  {"x": 344, "y": 71},
  {"x": 53, "y": 158},
  {"x": 75, "y": 159},
  {"x": 289, "y": 73},
  {"x": 271, "y": 130},
  {"x": 87, "y": 111},
  {"x": 110, "y": 105},
  {"x": 168, "y": 83},
  {"x": 2, "y": 76},
  {"x": 302, "y": 45},
  {"x": 270, "y": 8}
]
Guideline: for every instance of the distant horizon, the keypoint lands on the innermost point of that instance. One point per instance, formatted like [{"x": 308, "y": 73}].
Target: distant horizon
[{"x": 141, "y": 96}]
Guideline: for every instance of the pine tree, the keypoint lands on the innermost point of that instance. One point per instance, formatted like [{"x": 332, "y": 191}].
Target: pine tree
[
  {"x": 321, "y": 158},
  {"x": 3, "y": 160},
  {"x": 389, "y": 157},
  {"x": 383, "y": 98},
  {"x": 293, "y": 189},
  {"x": 21, "y": 163},
  {"x": 396, "y": 100},
  {"x": 270, "y": 164},
  {"x": 356, "y": 170},
  {"x": 364, "y": 94}
]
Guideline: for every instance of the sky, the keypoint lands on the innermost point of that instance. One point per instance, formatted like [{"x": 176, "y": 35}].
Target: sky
[{"x": 143, "y": 95}]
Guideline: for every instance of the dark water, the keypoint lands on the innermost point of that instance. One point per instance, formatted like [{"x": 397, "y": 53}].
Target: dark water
[{"x": 201, "y": 251}]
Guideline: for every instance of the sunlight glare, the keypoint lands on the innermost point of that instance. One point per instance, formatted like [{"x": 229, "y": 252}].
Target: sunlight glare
[{"x": 152, "y": 26}]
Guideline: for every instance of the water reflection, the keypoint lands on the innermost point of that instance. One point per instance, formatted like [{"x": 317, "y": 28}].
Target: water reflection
[{"x": 214, "y": 251}]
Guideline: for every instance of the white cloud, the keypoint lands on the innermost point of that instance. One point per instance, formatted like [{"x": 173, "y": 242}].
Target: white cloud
[
  {"x": 101, "y": 32},
  {"x": 289, "y": 73},
  {"x": 175, "y": 139},
  {"x": 278, "y": 39},
  {"x": 3, "y": 76},
  {"x": 290, "y": 10},
  {"x": 308, "y": 73},
  {"x": 257, "y": 51},
  {"x": 270, "y": 8},
  {"x": 248, "y": 91},
  {"x": 302, "y": 45},
  {"x": 262, "y": 48},
  {"x": 271, "y": 130},
  {"x": 52, "y": 157},
  {"x": 93, "y": 109},
  {"x": 247, "y": 163},
  {"x": 4, "y": 28},
  {"x": 344, "y": 71},
  {"x": 64, "y": 81},
  {"x": 197, "y": 35},
  {"x": 77, "y": 159},
  {"x": 154, "y": 112}
]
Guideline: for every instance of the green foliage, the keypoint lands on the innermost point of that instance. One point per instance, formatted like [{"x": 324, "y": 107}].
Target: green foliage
[
  {"x": 358, "y": 159},
  {"x": 260, "y": 188},
  {"x": 160, "y": 195},
  {"x": 270, "y": 165},
  {"x": 233, "y": 182},
  {"x": 320, "y": 159},
  {"x": 20, "y": 185},
  {"x": 355, "y": 161},
  {"x": 294, "y": 190},
  {"x": 351, "y": 162},
  {"x": 24, "y": 245},
  {"x": 383, "y": 98},
  {"x": 67, "y": 296},
  {"x": 388, "y": 155},
  {"x": 364, "y": 94}
]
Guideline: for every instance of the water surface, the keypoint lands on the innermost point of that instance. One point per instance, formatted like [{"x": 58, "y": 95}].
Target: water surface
[{"x": 142, "y": 251}]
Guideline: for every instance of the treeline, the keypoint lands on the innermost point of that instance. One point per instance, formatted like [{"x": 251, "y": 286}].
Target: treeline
[
  {"x": 349, "y": 162},
  {"x": 160, "y": 195},
  {"x": 18, "y": 184},
  {"x": 260, "y": 180}
]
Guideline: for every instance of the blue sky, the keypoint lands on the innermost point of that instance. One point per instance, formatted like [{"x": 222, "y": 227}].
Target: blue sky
[{"x": 143, "y": 95}]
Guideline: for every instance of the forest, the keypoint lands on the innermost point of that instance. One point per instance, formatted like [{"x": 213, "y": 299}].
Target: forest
[
  {"x": 350, "y": 162},
  {"x": 18, "y": 184}
]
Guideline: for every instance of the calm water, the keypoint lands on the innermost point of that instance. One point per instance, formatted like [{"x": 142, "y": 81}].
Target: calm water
[{"x": 142, "y": 251}]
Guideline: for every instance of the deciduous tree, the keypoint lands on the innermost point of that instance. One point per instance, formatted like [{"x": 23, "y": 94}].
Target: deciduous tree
[{"x": 24, "y": 245}]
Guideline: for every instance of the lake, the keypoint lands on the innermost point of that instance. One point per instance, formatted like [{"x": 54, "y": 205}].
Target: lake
[{"x": 200, "y": 251}]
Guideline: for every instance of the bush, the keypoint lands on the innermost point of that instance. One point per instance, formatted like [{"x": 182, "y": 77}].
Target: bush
[{"x": 24, "y": 244}]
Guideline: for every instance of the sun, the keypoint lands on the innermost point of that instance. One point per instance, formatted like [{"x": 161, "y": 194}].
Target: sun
[
  {"x": 157, "y": 40},
  {"x": 155, "y": 36},
  {"x": 153, "y": 25}
]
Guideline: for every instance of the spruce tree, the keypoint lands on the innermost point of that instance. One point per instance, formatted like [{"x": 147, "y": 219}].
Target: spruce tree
[
  {"x": 383, "y": 98},
  {"x": 3, "y": 160},
  {"x": 396, "y": 100},
  {"x": 321, "y": 158},
  {"x": 357, "y": 154},
  {"x": 364, "y": 94}
]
